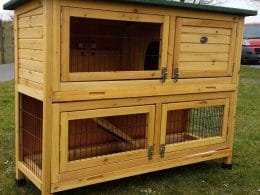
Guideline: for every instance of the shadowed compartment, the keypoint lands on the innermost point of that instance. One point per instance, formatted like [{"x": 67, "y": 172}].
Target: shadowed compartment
[
  {"x": 111, "y": 45},
  {"x": 31, "y": 111}
]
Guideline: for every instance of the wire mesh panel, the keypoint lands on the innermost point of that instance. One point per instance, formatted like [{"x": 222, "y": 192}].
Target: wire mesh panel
[
  {"x": 107, "y": 45},
  {"x": 106, "y": 135},
  {"x": 31, "y": 111},
  {"x": 194, "y": 124}
]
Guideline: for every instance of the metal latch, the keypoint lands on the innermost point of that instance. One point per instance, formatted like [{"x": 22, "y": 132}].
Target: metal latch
[
  {"x": 176, "y": 74},
  {"x": 150, "y": 152},
  {"x": 164, "y": 74},
  {"x": 162, "y": 150}
]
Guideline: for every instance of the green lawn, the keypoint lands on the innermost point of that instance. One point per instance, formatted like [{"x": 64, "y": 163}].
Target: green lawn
[{"x": 206, "y": 178}]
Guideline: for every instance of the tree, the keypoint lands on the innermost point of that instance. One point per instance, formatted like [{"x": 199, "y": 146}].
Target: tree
[{"x": 2, "y": 40}]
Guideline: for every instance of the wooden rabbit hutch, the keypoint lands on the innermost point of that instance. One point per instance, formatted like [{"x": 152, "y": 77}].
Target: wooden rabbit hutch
[{"x": 111, "y": 89}]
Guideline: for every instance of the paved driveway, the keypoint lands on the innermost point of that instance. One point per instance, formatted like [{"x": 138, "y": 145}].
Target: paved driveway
[{"x": 6, "y": 72}]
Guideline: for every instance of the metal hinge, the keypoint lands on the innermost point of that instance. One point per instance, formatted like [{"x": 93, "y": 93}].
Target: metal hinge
[
  {"x": 164, "y": 74},
  {"x": 162, "y": 150},
  {"x": 150, "y": 152},
  {"x": 176, "y": 74}
]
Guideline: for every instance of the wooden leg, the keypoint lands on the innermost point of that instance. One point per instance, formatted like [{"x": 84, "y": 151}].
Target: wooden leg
[{"x": 227, "y": 163}]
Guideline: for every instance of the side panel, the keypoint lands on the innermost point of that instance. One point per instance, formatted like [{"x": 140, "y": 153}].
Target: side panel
[{"x": 30, "y": 54}]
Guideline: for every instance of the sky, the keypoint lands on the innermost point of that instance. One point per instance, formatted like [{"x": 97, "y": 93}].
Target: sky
[{"x": 244, "y": 4}]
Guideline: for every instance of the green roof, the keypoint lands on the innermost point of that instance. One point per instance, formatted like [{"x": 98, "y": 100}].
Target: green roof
[{"x": 12, "y": 4}]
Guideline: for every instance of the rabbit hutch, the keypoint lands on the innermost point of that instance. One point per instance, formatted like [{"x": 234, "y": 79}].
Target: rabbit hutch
[{"x": 112, "y": 89}]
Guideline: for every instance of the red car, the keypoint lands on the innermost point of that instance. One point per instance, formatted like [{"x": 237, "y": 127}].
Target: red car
[{"x": 251, "y": 44}]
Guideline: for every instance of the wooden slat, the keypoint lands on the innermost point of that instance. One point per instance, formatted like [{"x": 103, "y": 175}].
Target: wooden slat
[
  {"x": 37, "y": 94},
  {"x": 31, "y": 75},
  {"x": 115, "y": 130},
  {"x": 203, "y": 57},
  {"x": 206, "y": 30},
  {"x": 30, "y": 33},
  {"x": 195, "y": 38},
  {"x": 30, "y": 84},
  {"x": 207, "y": 23},
  {"x": 34, "y": 179},
  {"x": 30, "y": 54},
  {"x": 30, "y": 8},
  {"x": 31, "y": 44},
  {"x": 204, "y": 48},
  {"x": 207, "y": 66},
  {"x": 30, "y": 21},
  {"x": 35, "y": 66}
]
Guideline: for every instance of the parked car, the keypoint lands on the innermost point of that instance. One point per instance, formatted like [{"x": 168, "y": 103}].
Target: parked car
[{"x": 251, "y": 44}]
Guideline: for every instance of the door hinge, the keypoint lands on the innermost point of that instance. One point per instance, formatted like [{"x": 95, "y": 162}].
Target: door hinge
[
  {"x": 162, "y": 150},
  {"x": 150, "y": 152},
  {"x": 164, "y": 74},
  {"x": 176, "y": 74}
]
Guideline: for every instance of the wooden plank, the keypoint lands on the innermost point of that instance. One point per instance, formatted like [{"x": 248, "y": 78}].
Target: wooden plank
[
  {"x": 31, "y": 75},
  {"x": 200, "y": 66},
  {"x": 31, "y": 33},
  {"x": 34, "y": 179},
  {"x": 30, "y": 21},
  {"x": 212, "y": 38},
  {"x": 107, "y": 167},
  {"x": 35, "y": 66},
  {"x": 122, "y": 16},
  {"x": 30, "y": 54},
  {"x": 117, "y": 75},
  {"x": 138, "y": 170},
  {"x": 30, "y": 84},
  {"x": 18, "y": 174},
  {"x": 109, "y": 112},
  {"x": 137, "y": 91},
  {"x": 36, "y": 44},
  {"x": 171, "y": 44},
  {"x": 115, "y": 130},
  {"x": 164, "y": 44},
  {"x": 56, "y": 68},
  {"x": 204, "y": 48},
  {"x": 34, "y": 12},
  {"x": 206, "y": 30},
  {"x": 203, "y": 57},
  {"x": 207, "y": 23},
  {"x": 158, "y": 100},
  {"x": 34, "y": 93}
]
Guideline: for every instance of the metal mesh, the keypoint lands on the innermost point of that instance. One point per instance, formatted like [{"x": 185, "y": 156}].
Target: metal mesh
[
  {"x": 107, "y": 135},
  {"x": 31, "y": 133},
  {"x": 194, "y": 124},
  {"x": 107, "y": 45}
]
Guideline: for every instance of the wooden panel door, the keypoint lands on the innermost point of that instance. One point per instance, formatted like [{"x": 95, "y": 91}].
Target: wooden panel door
[
  {"x": 193, "y": 124},
  {"x": 100, "y": 45},
  {"x": 97, "y": 137},
  {"x": 204, "y": 48}
]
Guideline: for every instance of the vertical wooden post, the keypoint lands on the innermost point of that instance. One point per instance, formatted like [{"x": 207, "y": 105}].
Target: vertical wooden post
[
  {"x": 47, "y": 100},
  {"x": 19, "y": 174},
  {"x": 233, "y": 99}
]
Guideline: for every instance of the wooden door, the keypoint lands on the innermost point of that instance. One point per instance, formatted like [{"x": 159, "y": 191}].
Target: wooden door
[
  {"x": 204, "y": 48},
  {"x": 193, "y": 124},
  {"x": 97, "y": 137},
  {"x": 100, "y": 45}
]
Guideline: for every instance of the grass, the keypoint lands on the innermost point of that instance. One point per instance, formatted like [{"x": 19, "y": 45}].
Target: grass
[{"x": 201, "y": 178}]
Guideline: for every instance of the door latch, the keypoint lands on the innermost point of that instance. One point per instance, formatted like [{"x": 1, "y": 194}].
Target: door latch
[
  {"x": 162, "y": 150},
  {"x": 150, "y": 152},
  {"x": 176, "y": 74},
  {"x": 164, "y": 74}
]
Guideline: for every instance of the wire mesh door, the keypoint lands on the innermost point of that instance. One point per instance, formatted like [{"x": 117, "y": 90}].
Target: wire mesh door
[
  {"x": 108, "y": 45},
  {"x": 193, "y": 124},
  {"x": 89, "y": 138}
]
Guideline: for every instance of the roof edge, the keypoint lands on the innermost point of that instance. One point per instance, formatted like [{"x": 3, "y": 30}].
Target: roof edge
[{"x": 12, "y": 4}]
